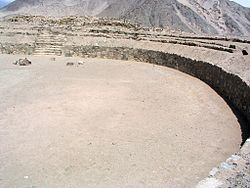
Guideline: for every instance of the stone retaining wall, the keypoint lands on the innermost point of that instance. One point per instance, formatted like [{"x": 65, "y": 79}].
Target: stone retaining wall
[{"x": 22, "y": 48}]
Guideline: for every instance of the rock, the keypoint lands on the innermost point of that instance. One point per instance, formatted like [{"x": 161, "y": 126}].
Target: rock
[
  {"x": 232, "y": 46},
  {"x": 80, "y": 62},
  {"x": 70, "y": 64},
  {"x": 244, "y": 52},
  {"x": 226, "y": 166},
  {"x": 22, "y": 62},
  {"x": 213, "y": 171},
  {"x": 68, "y": 54}
]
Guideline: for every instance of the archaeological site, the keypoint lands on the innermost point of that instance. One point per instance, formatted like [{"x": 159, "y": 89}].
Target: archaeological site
[{"x": 104, "y": 101}]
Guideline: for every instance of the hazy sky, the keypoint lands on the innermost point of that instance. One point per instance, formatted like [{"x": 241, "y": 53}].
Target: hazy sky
[{"x": 245, "y": 3}]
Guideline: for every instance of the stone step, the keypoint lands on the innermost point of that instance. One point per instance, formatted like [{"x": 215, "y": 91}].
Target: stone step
[
  {"x": 47, "y": 53},
  {"x": 48, "y": 49},
  {"x": 50, "y": 36},
  {"x": 44, "y": 52},
  {"x": 52, "y": 51},
  {"x": 48, "y": 46},
  {"x": 49, "y": 42},
  {"x": 53, "y": 36},
  {"x": 50, "y": 39}
]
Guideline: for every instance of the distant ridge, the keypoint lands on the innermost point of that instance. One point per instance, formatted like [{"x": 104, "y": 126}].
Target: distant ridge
[{"x": 221, "y": 17}]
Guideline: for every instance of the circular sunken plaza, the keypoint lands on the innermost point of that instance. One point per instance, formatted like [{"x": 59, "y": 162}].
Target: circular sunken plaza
[{"x": 107, "y": 104}]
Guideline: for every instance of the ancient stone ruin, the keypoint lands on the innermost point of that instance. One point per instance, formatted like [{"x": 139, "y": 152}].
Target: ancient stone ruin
[{"x": 217, "y": 61}]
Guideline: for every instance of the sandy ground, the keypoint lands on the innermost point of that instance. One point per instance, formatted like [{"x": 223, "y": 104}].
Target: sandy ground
[{"x": 109, "y": 124}]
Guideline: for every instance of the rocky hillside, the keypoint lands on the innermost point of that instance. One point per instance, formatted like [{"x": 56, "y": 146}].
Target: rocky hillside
[{"x": 198, "y": 16}]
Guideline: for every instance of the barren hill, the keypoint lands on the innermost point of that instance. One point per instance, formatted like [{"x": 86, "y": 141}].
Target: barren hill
[{"x": 198, "y": 16}]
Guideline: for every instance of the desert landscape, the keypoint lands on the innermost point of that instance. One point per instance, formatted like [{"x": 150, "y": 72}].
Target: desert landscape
[{"x": 104, "y": 102}]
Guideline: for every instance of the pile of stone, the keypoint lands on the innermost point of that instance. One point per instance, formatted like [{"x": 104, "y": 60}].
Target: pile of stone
[
  {"x": 79, "y": 63},
  {"x": 23, "y": 62}
]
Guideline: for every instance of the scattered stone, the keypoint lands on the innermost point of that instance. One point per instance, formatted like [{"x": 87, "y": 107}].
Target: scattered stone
[
  {"x": 235, "y": 157},
  {"x": 80, "y": 62},
  {"x": 226, "y": 166},
  {"x": 213, "y": 171},
  {"x": 232, "y": 46},
  {"x": 70, "y": 64},
  {"x": 235, "y": 164},
  {"x": 22, "y": 62},
  {"x": 244, "y": 52}
]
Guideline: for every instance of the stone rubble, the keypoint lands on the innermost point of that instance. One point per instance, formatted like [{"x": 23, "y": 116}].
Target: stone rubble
[{"x": 23, "y": 62}]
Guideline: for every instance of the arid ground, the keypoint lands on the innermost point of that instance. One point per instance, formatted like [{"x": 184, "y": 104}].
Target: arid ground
[{"x": 108, "y": 123}]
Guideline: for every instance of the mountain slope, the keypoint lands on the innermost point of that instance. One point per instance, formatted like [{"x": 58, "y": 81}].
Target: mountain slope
[
  {"x": 162, "y": 13},
  {"x": 198, "y": 16},
  {"x": 226, "y": 16}
]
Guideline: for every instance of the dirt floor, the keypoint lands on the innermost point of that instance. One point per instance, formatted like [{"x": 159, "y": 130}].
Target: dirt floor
[{"x": 109, "y": 123}]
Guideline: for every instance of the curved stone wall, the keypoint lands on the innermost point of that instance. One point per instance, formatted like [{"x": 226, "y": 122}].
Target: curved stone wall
[{"x": 231, "y": 87}]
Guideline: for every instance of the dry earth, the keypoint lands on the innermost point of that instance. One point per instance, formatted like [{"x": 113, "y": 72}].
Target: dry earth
[{"x": 109, "y": 124}]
